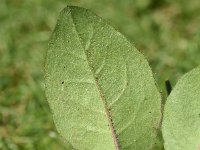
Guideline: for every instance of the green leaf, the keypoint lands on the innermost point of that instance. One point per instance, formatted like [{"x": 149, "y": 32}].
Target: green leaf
[
  {"x": 181, "y": 122},
  {"x": 99, "y": 87}
]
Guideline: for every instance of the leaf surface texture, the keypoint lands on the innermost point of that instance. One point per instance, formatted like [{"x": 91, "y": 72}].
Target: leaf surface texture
[{"x": 99, "y": 87}]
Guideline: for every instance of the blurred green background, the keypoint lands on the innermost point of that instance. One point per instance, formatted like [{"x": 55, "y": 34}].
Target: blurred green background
[{"x": 167, "y": 32}]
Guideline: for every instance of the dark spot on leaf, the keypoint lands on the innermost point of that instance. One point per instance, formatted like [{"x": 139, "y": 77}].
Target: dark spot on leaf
[
  {"x": 63, "y": 82},
  {"x": 150, "y": 112}
]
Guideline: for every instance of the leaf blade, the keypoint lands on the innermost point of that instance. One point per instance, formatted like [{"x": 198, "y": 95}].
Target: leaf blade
[
  {"x": 97, "y": 83},
  {"x": 181, "y": 124}
]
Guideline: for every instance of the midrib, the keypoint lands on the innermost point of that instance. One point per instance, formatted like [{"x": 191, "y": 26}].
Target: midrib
[{"x": 116, "y": 144}]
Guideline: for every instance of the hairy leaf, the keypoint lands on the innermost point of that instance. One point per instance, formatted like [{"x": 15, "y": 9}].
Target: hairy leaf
[
  {"x": 99, "y": 87},
  {"x": 181, "y": 122}
]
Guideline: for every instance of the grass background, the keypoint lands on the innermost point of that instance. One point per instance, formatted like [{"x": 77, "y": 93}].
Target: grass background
[{"x": 167, "y": 32}]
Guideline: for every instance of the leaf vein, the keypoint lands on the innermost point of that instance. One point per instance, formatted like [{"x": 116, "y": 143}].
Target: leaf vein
[{"x": 98, "y": 89}]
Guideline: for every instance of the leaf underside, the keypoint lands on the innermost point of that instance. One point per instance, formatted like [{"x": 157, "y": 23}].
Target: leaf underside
[
  {"x": 181, "y": 121},
  {"x": 99, "y": 87}
]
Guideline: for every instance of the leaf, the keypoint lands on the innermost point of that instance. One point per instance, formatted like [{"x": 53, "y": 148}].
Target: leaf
[
  {"x": 181, "y": 122},
  {"x": 99, "y": 87}
]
